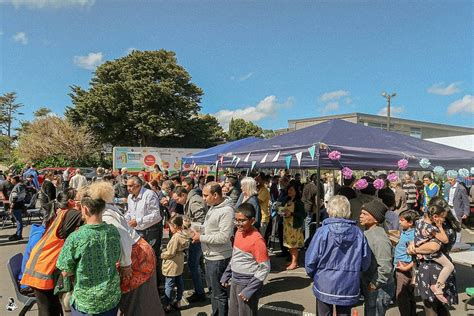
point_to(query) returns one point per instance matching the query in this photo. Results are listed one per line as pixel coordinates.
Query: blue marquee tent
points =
(361, 147)
(210, 155)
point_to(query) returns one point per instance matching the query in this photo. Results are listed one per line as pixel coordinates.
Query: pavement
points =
(285, 292)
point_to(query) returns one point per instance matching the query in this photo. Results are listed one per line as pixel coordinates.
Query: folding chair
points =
(14, 267)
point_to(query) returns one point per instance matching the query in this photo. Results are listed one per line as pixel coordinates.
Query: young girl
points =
(173, 262)
(430, 230)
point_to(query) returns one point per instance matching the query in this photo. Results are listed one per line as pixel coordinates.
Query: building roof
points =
(359, 115)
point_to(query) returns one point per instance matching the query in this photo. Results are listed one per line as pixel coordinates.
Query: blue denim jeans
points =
(377, 302)
(170, 283)
(19, 222)
(112, 312)
(220, 295)
(194, 265)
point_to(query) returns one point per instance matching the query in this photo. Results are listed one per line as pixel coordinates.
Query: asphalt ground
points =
(284, 293)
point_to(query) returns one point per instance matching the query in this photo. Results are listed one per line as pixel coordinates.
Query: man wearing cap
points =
(377, 282)
(458, 199)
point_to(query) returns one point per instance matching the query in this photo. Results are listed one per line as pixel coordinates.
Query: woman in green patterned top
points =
(90, 255)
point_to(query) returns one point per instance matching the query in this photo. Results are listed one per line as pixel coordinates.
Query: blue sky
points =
(265, 61)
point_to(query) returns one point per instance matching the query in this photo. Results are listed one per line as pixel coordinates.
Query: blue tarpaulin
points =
(210, 155)
(361, 147)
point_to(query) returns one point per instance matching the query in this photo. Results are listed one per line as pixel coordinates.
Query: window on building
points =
(415, 132)
(379, 125)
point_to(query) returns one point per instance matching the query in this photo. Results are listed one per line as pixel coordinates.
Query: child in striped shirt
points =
(249, 265)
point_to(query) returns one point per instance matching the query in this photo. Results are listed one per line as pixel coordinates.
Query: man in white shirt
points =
(458, 200)
(78, 181)
(144, 215)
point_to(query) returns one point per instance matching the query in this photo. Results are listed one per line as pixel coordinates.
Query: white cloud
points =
(394, 111)
(265, 108)
(21, 38)
(333, 95)
(332, 100)
(131, 49)
(40, 4)
(440, 89)
(90, 62)
(242, 77)
(466, 104)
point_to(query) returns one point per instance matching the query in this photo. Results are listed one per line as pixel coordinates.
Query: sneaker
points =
(196, 298)
(14, 238)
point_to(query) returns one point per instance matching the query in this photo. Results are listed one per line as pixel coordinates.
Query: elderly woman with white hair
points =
(249, 194)
(335, 258)
(137, 264)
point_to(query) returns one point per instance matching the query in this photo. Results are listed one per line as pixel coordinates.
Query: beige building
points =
(413, 128)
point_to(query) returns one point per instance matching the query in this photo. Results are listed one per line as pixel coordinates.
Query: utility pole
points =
(389, 98)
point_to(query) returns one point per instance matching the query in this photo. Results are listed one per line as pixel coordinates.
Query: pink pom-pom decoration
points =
(334, 155)
(346, 173)
(402, 164)
(392, 177)
(379, 184)
(361, 184)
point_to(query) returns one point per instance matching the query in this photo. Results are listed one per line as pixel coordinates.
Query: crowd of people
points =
(100, 249)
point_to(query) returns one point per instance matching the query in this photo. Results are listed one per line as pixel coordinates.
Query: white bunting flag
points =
(264, 159)
(233, 159)
(247, 158)
(275, 159)
(298, 158)
(237, 162)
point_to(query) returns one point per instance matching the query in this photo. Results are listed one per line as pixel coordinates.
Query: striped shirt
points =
(250, 263)
(410, 190)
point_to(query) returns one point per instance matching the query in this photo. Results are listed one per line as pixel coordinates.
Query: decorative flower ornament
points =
(379, 184)
(463, 172)
(438, 170)
(361, 184)
(334, 155)
(402, 164)
(425, 163)
(452, 174)
(346, 173)
(392, 177)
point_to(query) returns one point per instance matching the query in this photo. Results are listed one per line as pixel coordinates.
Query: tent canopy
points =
(210, 155)
(361, 147)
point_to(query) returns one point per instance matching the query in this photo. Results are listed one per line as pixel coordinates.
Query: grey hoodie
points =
(218, 229)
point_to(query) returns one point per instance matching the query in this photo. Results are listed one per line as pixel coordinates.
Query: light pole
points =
(388, 97)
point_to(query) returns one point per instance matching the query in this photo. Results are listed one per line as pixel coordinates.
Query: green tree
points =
(239, 128)
(140, 99)
(9, 110)
(43, 111)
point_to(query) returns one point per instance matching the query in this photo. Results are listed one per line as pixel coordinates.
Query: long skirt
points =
(139, 293)
(144, 300)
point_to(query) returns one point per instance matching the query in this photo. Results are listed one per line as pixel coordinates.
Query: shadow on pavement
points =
(285, 284)
(11, 243)
(280, 308)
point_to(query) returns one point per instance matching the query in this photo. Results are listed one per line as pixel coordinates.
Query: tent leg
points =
(318, 197)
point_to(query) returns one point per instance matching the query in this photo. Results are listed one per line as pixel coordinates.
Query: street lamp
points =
(388, 97)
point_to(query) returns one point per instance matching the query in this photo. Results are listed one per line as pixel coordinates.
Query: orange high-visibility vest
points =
(39, 270)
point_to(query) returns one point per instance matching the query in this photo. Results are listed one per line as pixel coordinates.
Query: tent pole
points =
(318, 196)
(318, 187)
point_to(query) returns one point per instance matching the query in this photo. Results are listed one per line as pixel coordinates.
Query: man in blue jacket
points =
(335, 258)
